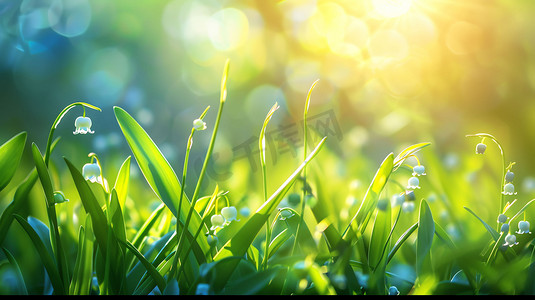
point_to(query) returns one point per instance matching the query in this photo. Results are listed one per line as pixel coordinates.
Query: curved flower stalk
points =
(82, 124)
(480, 149)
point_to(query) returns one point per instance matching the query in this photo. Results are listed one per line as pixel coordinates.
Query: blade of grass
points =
(46, 183)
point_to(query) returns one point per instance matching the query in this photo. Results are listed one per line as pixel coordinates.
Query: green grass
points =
(108, 239)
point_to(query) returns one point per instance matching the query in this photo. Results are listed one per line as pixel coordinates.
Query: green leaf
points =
(426, 231)
(160, 176)
(83, 271)
(10, 155)
(368, 204)
(411, 150)
(91, 206)
(239, 244)
(121, 183)
(21, 194)
(379, 237)
(46, 258)
(401, 240)
(17, 271)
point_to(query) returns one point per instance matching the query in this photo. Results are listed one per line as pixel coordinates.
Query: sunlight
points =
(391, 8)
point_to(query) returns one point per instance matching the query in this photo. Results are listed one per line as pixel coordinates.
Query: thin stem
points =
(222, 100)
(193, 200)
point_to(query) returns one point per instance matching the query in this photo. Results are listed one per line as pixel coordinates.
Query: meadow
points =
(193, 180)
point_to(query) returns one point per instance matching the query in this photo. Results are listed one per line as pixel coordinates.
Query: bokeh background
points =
(392, 73)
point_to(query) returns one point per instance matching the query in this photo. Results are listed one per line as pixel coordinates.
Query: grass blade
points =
(361, 218)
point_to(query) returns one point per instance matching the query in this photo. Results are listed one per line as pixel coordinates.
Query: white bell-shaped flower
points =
(229, 213)
(91, 172)
(217, 221)
(83, 125)
(413, 183)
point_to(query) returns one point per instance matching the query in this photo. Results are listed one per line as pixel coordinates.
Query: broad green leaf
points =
(239, 244)
(91, 206)
(426, 231)
(359, 222)
(10, 155)
(379, 236)
(46, 258)
(160, 175)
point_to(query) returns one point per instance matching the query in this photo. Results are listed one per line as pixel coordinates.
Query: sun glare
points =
(391, 8)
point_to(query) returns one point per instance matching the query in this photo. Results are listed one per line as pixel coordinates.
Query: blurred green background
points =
(391, 73)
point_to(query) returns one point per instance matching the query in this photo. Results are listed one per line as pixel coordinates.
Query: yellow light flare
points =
(391, 8)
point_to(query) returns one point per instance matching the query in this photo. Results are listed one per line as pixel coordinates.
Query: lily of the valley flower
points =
(523, 227)
(217, 221)
(91, 172)
(480, 148)
(229, 213)
(418, 170)
(509, 189)
(510, 240)
(83, 125)
(414, 183)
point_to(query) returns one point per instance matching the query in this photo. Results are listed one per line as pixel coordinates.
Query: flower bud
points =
(509, 176)
(198, 124)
